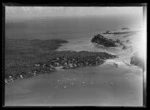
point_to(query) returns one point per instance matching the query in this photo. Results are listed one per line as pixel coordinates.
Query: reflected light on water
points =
(142, 45)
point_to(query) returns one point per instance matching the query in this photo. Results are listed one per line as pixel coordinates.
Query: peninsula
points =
(26, 58)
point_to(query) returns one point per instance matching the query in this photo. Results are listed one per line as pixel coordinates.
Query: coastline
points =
(59, 60)
(49, 67)
(109, 82)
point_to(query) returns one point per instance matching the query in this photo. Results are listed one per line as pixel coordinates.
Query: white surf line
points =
(116, 62)
(123, 64)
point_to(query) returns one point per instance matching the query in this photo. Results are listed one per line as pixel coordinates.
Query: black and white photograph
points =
(75, 56)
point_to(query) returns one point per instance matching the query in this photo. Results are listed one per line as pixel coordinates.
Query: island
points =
(27, 58)
(101, 40)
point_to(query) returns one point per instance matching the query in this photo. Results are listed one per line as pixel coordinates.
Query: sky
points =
(26, 12)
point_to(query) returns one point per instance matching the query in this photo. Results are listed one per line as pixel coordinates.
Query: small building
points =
(34, 74)
(10, 78)
(59, 67)
(6, 81)
(57, 64)
(70, 64)
(74, 65)
(21, 76)
(37, 65)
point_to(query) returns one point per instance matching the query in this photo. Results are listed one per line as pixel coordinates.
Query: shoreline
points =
(71, 60)
(49, 66)
(11, 79)
(114, 62)
(109, 82)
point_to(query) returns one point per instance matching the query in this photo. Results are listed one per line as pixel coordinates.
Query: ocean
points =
(103, 85)
(66, 28)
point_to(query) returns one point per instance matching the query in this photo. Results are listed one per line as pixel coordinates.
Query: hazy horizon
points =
(67, 22)
(20, 13)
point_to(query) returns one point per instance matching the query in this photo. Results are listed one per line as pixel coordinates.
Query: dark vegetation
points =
(25, 58)
(20, 55)
(99, 39)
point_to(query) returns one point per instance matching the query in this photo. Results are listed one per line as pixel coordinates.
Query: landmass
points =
(126, 42)
(101, 40)
(26, 58)
(121, 31)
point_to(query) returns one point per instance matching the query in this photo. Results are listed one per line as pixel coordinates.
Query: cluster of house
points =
(57, 64)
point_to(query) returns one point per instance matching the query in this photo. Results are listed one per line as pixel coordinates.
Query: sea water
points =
(103, 85)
